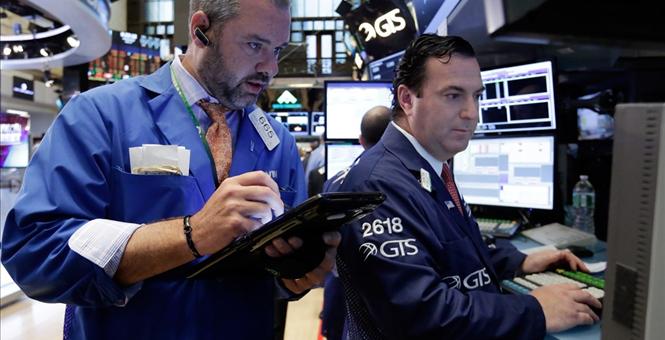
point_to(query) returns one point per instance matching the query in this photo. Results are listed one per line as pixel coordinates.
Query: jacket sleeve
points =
(393, 277)
(507, 260)
(65, 186)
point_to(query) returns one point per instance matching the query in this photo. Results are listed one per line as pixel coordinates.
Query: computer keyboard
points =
(524, 284)
(498, 227)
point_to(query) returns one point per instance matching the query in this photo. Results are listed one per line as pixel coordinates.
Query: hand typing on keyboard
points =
(540, 261)
(566, 306)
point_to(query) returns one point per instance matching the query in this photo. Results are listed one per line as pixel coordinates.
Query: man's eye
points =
(452, 96)
(254, 45)
(277, 51)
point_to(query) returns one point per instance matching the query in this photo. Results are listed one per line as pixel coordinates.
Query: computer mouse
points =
(580, 251)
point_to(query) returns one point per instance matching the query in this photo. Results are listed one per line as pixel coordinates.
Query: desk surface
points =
(599, 254)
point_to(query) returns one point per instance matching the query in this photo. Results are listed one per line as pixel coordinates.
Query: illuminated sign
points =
(287, 101)
(384, 26)
(381, 28)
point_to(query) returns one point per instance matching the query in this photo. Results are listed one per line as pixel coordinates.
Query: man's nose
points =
(268, 65)
(471, 109)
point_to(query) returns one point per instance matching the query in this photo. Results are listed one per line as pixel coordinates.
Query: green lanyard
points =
(196, 124)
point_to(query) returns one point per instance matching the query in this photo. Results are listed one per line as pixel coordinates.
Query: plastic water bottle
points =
(584, 201)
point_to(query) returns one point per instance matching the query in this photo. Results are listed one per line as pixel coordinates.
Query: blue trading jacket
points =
(418, 269)
(81, 172)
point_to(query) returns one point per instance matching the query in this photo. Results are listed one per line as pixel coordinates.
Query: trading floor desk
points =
(599, 254)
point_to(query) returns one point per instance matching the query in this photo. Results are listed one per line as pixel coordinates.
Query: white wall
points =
(118, 20)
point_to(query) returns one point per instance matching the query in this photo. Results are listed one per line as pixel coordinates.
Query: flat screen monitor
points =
(340, 157)
(347, 102)
(518, 98)
(384, 68)
(318, 123)
(296, 122)
(507, 171)
(14, 140)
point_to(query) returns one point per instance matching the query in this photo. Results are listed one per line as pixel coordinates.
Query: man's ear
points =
(405, 98)
(198, 24)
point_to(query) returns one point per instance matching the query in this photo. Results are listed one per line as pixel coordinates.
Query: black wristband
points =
(187, 228)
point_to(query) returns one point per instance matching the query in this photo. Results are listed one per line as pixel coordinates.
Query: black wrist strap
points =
(187, 228)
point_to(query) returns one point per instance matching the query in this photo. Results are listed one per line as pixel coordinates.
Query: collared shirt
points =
(193, 92)
(103, 241)
(436, 164)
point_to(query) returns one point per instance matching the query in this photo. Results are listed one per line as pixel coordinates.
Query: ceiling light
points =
(6, 50)
(45, 52)
(17, 48)
(73, 42)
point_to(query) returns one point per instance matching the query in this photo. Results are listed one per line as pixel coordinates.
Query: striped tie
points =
(450, 185)
(219, 138)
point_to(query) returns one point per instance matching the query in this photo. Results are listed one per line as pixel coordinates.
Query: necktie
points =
(450, 185)
(219, 138)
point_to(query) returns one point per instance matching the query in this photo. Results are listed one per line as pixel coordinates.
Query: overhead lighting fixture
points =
(45, 52)
(73, 42)
(7, 50)
(301, 85)
(17, 48)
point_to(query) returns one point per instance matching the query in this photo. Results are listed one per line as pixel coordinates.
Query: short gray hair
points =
(221, 11)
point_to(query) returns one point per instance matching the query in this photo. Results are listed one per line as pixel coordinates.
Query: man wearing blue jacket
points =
(89, 232)
(416, 267)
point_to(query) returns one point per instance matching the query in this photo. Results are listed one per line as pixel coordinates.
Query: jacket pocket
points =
(148, 198)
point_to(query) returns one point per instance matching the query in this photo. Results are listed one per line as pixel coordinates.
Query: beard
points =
(224, 84)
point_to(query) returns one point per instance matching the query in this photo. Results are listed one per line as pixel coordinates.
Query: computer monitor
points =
(340, 156)
(14, 140)
(507, 172)
(318, 123)
(347, 102)
(296, 122)
(633, 307)
(518, 98)
(384, 68)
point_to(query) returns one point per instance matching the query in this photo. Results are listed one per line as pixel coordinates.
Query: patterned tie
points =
(450, 185)
(219, 138)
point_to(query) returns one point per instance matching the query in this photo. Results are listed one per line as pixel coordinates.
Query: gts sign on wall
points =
(383, 26)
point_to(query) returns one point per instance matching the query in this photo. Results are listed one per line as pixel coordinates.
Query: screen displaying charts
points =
(517, 98)
(318, 125)
(296, 122)
(507, 171)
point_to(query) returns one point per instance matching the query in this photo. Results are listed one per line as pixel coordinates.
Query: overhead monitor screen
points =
(318, 125)
(347, 102)
(509, 172)
(340, 157)
(14, 140)
(517, 98)
(384, 68)
(296, 122)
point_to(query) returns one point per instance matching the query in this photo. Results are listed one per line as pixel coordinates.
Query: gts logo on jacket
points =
(472, 281)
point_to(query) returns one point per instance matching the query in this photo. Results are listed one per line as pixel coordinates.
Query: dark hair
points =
(374, 123)
(411, 68)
